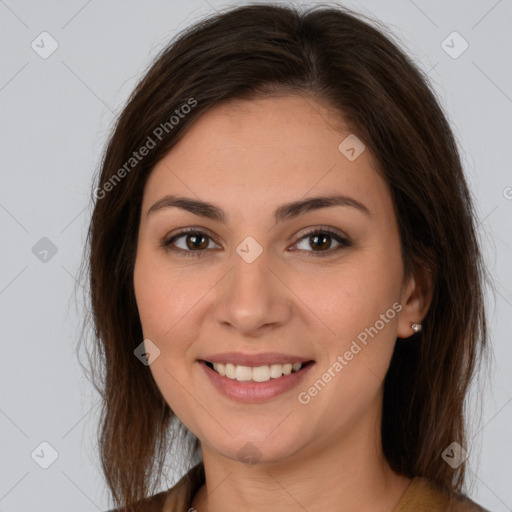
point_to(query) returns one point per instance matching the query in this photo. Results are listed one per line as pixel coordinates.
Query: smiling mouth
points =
(262, 373)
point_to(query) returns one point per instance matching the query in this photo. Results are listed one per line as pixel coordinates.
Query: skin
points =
(249, 157)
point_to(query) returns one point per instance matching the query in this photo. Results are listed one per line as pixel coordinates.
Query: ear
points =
(415, 300)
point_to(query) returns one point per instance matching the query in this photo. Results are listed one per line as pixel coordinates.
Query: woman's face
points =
(252, 283)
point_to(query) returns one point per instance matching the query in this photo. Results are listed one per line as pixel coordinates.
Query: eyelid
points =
(167, 240)
(323, 229)
(343, 240)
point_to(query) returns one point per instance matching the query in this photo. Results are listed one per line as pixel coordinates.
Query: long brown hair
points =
(336, 57)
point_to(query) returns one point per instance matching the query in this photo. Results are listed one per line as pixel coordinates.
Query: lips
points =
(255, 377)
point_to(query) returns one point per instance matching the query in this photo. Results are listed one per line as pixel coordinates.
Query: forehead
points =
(249, 154)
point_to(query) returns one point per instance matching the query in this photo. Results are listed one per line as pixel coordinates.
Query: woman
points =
(285, 275)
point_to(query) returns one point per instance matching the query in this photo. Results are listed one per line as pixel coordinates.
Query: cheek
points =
(357, 305)
(352, 296)
(165, 296)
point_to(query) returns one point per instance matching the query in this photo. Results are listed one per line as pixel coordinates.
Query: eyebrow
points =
(285, 212)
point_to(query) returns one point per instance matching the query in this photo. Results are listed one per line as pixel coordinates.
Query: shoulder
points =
(175, 499)
(154, 503)
(424, 495)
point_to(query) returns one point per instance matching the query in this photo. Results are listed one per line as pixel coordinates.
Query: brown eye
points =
(189, 243)
(196, 241)
(319, 242)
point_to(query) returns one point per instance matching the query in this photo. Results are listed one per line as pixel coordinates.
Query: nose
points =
(252, 300)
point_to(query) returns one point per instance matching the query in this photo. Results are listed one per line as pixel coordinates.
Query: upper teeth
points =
(256, 373)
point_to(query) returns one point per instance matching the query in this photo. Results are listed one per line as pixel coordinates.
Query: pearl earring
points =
(416, 327)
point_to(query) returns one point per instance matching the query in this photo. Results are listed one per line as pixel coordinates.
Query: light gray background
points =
(55, 116)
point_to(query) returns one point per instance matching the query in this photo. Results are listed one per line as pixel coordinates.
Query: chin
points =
(256, 449)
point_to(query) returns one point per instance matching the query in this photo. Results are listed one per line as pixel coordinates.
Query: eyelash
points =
(343, 241)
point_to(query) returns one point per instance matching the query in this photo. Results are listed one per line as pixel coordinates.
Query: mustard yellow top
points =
(422, 495)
